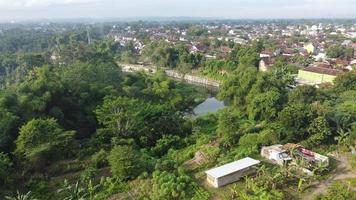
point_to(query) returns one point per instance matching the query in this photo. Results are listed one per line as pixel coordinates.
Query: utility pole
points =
(88, 36)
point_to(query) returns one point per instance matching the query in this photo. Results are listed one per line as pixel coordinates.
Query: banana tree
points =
(27, 196)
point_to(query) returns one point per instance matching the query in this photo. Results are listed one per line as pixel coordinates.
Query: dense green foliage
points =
(123, 162)
(77, 127)
(39, 140)
(337, 51)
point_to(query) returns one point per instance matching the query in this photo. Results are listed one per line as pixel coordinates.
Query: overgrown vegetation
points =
(76, 127)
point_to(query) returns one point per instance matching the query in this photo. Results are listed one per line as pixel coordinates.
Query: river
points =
(210, 105)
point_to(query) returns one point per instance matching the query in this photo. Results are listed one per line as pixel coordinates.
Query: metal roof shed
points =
(231, 172)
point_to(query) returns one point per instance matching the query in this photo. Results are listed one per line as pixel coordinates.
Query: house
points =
(289, 154)
(312, 159)
(276, 154)
(339, 62)
(288, 52)
(310, 48)
(353, 62)
(320, 57)
(240, 41)
(265, 64)
(266, 54)
(231, 172)
(346, 43)
(314, 75)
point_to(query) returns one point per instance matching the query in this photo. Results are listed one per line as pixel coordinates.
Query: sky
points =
(230, 9)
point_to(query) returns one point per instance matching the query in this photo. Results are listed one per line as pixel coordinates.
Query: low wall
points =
(189, 78)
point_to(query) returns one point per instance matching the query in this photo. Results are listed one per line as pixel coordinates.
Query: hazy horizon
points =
(216, 9)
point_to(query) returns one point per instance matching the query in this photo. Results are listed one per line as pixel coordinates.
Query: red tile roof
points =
(322, 70)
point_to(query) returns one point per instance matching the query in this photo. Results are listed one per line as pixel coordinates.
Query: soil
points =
(343, 171)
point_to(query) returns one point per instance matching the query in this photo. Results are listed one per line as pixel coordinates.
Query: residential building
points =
(231, 172)
(314, 75)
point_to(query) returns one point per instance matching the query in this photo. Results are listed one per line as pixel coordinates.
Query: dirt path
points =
(342, 171)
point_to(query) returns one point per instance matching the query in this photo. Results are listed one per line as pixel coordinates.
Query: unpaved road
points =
(342, 171)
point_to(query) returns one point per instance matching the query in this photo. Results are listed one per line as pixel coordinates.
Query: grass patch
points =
(353, 161)
(352, 181)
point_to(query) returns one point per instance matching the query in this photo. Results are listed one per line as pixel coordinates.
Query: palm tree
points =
(27, 196)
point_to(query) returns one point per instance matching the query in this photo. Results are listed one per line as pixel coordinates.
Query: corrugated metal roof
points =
(232, 167)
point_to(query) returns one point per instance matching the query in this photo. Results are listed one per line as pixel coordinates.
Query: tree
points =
(265, 106)
(5, 166)
(124, 162)
(43, 139)
(85, 85)
(162, 54)
(345, 82)
(165, 143)
(349, 53)
(276, 80)
(196, 31)
(231, 126)
(8, 124)
(160, 120)
(343, 112)
(237, 85)
(335, 51)
(39, 90)
(304, 94)
(319, 132)
(296, 119)
(304, 61)
(120, 116)
(124, 117)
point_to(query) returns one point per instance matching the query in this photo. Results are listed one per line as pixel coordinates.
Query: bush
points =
(166, 143)
(99, 159)
(124, 161)
(41, 140)
(249, 140)
(88, 174)
(173, 186)
(5, 166)
(239, 153)
(265, 137)
(338, 190)
(353, 161)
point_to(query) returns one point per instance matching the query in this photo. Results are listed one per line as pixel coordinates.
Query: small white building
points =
(276, 154)
(231, 172)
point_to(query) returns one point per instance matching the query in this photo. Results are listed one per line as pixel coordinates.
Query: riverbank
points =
(189, 78)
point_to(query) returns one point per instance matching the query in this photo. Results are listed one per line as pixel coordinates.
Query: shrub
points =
(338, 190)
(99, 159)
(166, 143)
(5, 166)
(173, 186)
(124, 161)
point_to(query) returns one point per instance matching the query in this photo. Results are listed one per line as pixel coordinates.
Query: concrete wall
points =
(171, 73)
(234, 176)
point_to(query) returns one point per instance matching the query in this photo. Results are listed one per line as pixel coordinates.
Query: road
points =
(342, 172)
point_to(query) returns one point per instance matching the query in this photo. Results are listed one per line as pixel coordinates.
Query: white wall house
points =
(231, 172)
